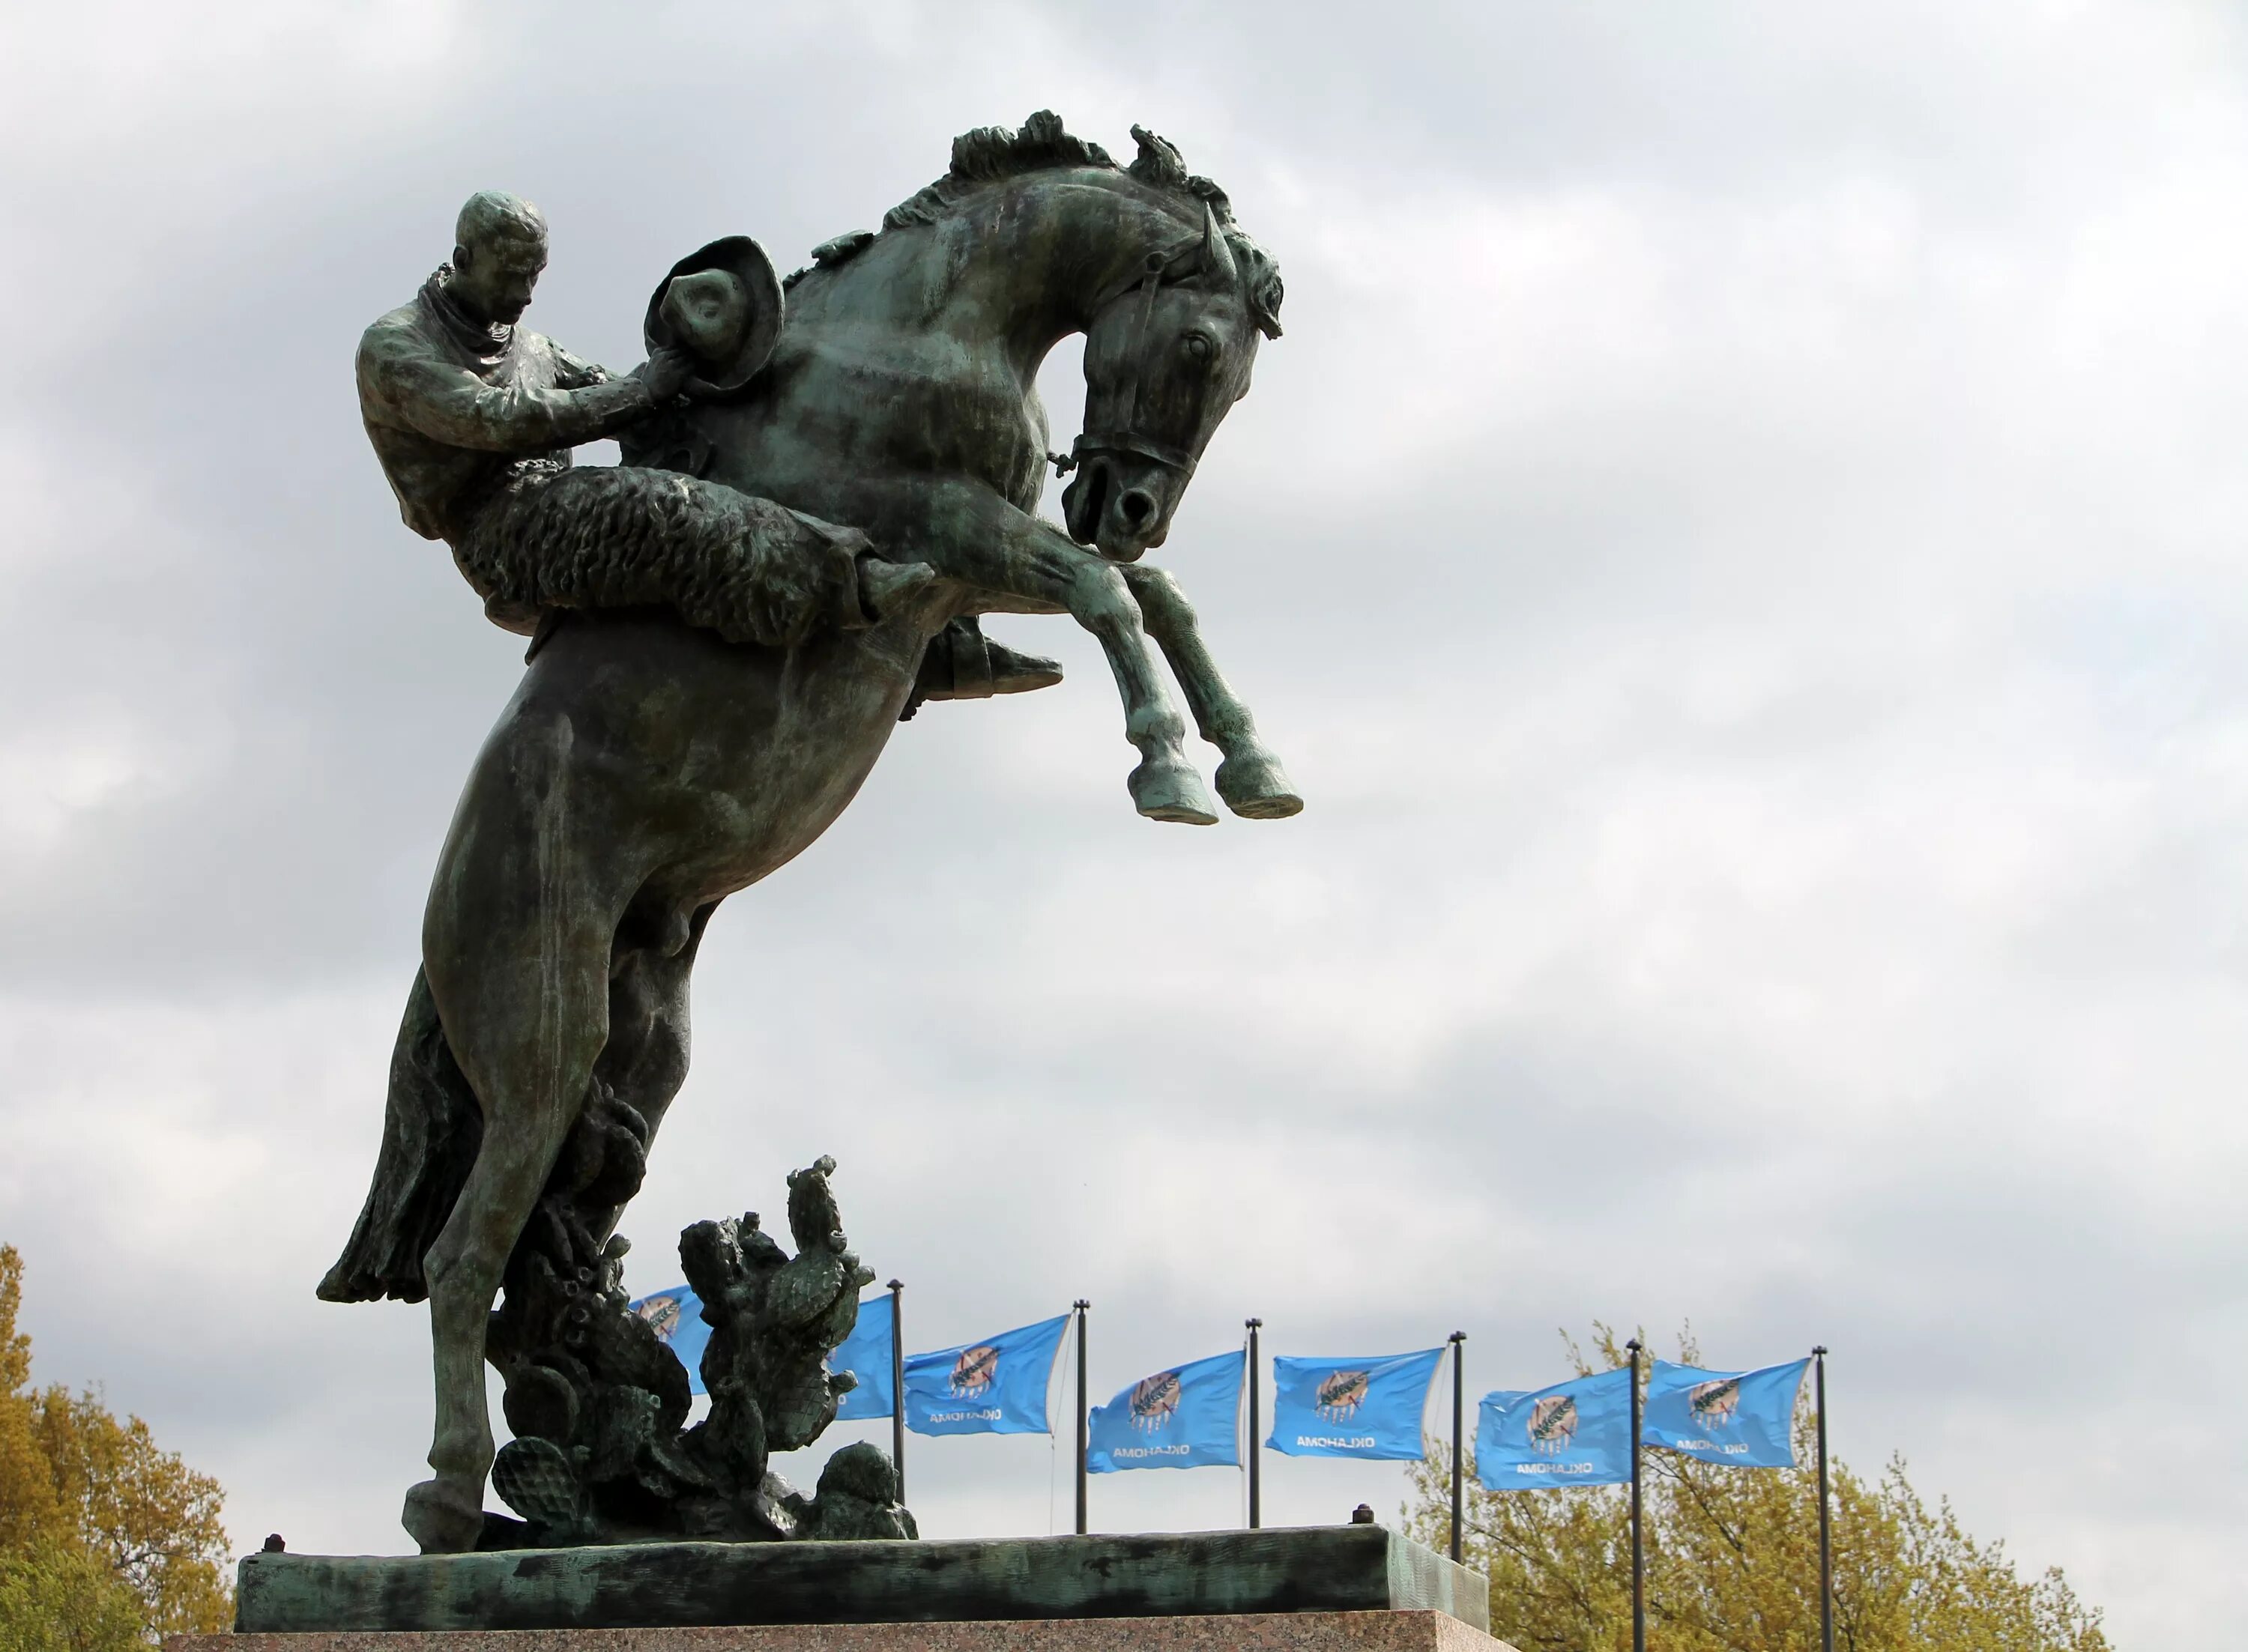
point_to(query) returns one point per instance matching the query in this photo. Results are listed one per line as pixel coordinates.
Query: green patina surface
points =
(826, 485)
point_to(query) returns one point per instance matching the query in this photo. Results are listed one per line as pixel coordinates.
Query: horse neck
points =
(1048, 250)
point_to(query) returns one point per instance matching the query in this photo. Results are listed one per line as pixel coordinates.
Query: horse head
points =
(1165, 360)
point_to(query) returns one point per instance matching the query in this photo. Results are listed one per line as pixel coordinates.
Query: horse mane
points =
(992, 154)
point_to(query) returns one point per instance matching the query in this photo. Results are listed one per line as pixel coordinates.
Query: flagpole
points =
(898, 1383)
(1826, 1529)
(1459, 1405)
(1256, 1450)
(1638, 1558)
(1082, 1305)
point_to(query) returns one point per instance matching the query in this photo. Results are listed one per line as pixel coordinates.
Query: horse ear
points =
(1217, 255)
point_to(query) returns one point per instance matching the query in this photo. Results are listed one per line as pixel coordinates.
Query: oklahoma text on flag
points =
(1352, 1408)
(1575, 1433)
(1739, 1419)
(1182, 1418)
(866, 1354)
(997, 1386)
(676, 1315)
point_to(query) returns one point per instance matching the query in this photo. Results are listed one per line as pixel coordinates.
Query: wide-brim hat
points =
(746, 260)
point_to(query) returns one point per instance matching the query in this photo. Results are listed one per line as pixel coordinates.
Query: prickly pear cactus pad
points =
(599, 1404)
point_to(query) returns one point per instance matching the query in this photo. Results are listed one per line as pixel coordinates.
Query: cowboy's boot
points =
(962, 663)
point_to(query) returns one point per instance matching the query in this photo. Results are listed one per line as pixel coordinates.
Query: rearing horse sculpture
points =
(644, 769)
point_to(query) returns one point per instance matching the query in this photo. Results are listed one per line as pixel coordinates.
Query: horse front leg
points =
(970, 535)
(1251, 778)
(1164, 786)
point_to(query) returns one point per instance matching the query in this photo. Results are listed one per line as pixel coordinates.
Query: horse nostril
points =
(1137, 506)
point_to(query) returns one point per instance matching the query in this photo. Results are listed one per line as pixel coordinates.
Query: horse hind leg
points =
(519, 969)
(644, 1062)
(531, 1071)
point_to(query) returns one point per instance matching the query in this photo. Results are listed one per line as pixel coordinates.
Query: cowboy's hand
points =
(666, 373)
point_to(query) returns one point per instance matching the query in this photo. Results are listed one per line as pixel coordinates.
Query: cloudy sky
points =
(1740, 547)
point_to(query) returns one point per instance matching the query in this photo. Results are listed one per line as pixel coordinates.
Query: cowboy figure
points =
(473, 416)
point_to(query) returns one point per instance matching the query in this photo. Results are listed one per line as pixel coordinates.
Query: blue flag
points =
(1352, 1408)
(1576, 1433)
(677, 1316)
(1182, 1418)
(997, 1386)
(1739, 1419)
(866, 1354)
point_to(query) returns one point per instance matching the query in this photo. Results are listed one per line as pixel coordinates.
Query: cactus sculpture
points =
(598, 1404)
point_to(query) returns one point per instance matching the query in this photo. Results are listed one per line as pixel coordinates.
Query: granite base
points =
(1175, 1575)
(1252, 1632)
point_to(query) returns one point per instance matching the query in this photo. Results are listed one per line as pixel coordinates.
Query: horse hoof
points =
(441, 1520)
(1170, 789)
(1256, 787)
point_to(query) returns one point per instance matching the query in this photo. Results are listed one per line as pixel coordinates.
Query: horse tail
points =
(431, 1129)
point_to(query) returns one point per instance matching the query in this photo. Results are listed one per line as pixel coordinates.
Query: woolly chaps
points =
(615, 537)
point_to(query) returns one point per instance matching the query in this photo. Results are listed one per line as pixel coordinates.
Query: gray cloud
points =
(1738, 545)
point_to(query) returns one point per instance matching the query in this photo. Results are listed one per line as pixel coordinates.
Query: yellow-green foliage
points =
(1732, 1560)
(99, 1528)
(59, 1598)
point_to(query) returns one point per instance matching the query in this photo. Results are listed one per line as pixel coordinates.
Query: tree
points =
(1732, 1558)
(98, 1525)
(58, 1598)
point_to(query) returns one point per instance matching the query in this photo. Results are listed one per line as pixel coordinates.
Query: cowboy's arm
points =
(575, 373)
(416, 387)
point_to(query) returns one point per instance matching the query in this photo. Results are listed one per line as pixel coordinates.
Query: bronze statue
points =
(660, 756)
(473, 416)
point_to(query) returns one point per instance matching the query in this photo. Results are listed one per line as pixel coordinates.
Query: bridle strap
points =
(1139, 447)
(1149, 287)
(1126, 440)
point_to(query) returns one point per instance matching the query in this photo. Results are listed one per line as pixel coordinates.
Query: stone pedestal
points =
(1340, 1572)
(1240, 1632)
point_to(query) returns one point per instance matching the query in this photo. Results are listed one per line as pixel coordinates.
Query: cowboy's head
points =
(499, 248)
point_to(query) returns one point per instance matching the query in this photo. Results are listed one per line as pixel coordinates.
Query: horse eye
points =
(1199, 346)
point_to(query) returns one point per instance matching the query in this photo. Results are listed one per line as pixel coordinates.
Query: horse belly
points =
(704, 766)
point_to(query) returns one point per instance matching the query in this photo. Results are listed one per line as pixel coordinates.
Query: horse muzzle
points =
(1120, 504)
